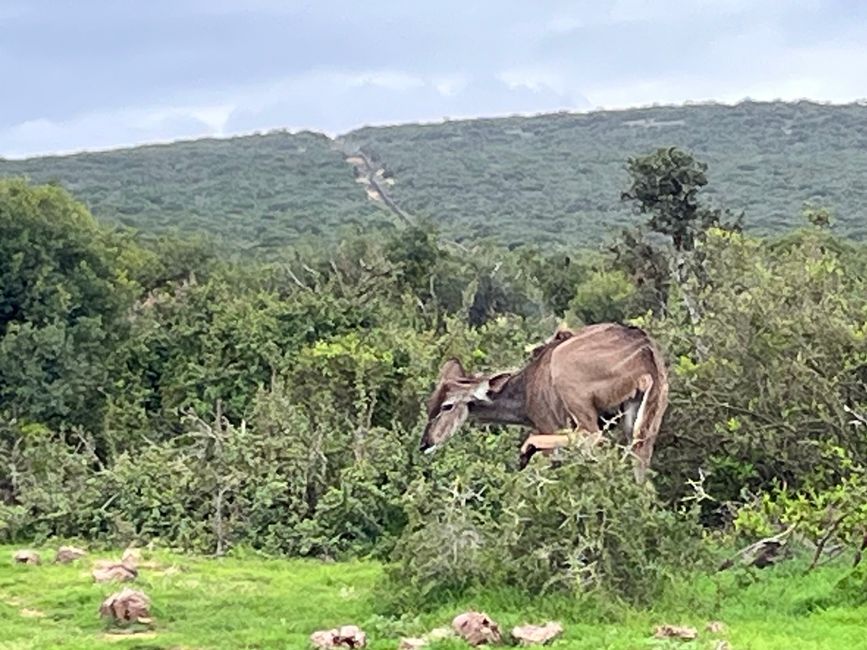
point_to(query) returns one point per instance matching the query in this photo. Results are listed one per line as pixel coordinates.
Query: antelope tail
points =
(655, 406)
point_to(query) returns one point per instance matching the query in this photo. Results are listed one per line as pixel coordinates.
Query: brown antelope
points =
(573, 382)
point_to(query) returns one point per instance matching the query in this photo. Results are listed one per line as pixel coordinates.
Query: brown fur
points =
(570, 381)
(558, 337)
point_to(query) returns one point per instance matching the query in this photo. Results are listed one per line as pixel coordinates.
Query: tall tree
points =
(61, 296)
(665, 185)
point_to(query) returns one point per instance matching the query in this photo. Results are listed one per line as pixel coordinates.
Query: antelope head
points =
(450, 403)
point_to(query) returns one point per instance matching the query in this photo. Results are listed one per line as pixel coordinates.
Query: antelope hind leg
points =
(641, 448)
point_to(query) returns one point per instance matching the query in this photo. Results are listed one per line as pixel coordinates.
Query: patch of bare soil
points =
(120, 635)
(12, 601)
(31, 613)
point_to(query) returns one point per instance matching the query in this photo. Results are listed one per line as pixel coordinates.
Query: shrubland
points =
(154, 391)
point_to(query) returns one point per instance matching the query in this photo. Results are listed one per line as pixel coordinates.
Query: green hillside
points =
(547, 179)
(559, 177)
(255, 190)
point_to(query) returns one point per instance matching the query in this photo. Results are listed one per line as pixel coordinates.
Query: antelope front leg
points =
(546, 443)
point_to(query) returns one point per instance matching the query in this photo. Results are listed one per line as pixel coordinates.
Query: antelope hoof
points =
(526, 454)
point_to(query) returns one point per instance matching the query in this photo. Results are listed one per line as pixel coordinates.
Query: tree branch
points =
(859, 417)
(827, 536)
(756, 547)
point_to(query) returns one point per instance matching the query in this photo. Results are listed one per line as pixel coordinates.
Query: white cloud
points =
(641, 93)
(392, 80)
(563, 23)
(661, 15)
(250, 71)
(111, 129)
(214, 117)
(759, 63)
(541, 79)
(332, 95)
(624, 11)
(535, 78)
(450, 85)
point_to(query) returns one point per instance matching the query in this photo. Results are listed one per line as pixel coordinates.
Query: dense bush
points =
(281, 484)
(582, 525)
(786, 335)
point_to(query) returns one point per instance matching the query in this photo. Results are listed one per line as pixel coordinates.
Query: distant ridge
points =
(552, 180)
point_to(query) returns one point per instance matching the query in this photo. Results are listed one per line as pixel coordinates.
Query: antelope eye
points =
(447, 407)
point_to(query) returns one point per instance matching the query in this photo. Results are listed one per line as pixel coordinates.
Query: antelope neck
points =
(506, 406)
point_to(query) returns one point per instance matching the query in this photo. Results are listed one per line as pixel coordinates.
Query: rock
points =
(26, 556)
(114, 572)
(127, 606)
(715, 627)
(476, 628)
(322, 639)
(537, 634)
(675, 632)
(67, 554)
(413, 643)
(347, 636)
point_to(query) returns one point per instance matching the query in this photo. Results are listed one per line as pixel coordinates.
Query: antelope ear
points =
(490, 386)
(452, 369)
(498, 381)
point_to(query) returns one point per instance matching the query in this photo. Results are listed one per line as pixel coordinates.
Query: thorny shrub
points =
(578, 526)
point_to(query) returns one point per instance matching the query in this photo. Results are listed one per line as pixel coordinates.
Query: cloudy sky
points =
(98, 74)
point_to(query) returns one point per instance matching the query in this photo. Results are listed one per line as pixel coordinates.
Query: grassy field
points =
(255, 602)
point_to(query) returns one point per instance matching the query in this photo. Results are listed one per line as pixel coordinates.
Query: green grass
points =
(255, 602)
